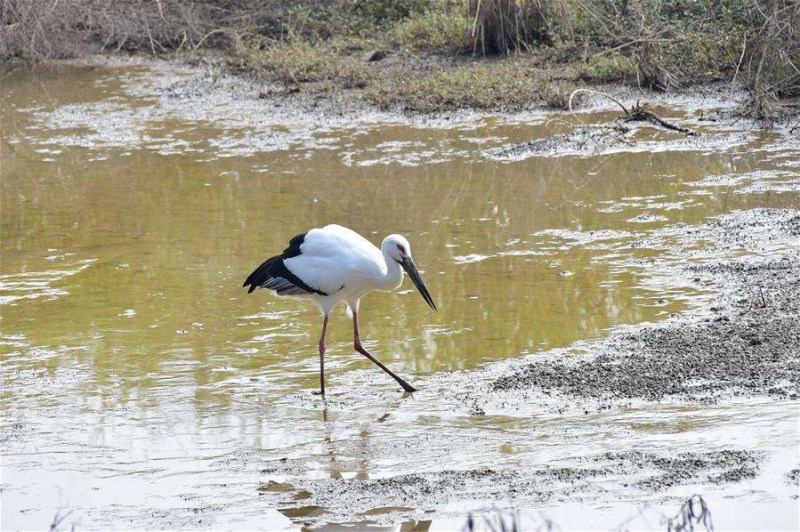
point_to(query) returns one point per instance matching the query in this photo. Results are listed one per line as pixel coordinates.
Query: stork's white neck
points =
(393, 276)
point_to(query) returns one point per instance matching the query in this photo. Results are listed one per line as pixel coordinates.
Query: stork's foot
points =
(319, 392)
(407, 387)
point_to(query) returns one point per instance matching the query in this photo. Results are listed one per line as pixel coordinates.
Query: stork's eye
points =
(402, 249)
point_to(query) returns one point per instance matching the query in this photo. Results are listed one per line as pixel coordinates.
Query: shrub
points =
(39, 29)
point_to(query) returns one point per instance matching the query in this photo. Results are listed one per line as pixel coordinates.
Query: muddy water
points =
(143, 388)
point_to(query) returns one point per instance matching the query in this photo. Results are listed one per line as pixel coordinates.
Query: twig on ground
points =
(58, 519)
(693, 512)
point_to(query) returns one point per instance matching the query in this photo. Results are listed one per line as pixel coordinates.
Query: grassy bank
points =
(433, 55)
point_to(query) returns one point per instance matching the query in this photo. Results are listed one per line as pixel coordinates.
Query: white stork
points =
(335, 264)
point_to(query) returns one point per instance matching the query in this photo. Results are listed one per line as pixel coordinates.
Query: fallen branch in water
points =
(637, 113)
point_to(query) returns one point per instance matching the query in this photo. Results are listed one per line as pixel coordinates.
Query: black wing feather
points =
(274, 274)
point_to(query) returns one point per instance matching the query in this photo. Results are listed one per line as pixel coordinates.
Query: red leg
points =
(358, 347)
(322, 349)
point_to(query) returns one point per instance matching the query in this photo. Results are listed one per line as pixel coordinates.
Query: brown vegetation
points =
(53, 29)
(551, 46)
(770, 62)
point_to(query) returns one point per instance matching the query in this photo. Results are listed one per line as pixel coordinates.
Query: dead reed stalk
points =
(503, 26)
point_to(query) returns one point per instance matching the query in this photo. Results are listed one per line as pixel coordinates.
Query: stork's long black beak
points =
(408, 265)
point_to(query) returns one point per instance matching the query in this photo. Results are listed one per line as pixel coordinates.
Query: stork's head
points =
(397, 248)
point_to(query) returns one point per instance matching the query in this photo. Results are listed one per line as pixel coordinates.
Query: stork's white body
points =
(343, 264)
(335, 265)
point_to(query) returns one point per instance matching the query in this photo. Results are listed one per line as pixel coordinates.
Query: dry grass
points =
(299, 62)
(556, 94)
(503, 26)
(475, 87)
(606, 68)
(503, 85)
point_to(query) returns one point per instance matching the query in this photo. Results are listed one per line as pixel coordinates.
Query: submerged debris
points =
(580, 139)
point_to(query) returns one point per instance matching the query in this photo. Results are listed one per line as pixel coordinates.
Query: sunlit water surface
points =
(143, 387)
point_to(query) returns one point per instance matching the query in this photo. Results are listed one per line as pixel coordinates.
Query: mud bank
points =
(529, 486)
(211, 80)
(749, 344)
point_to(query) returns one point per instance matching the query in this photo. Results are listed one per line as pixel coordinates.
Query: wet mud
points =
(749, 344)
(637, 471)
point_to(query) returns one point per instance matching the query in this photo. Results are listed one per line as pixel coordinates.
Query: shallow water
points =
(142, 387)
